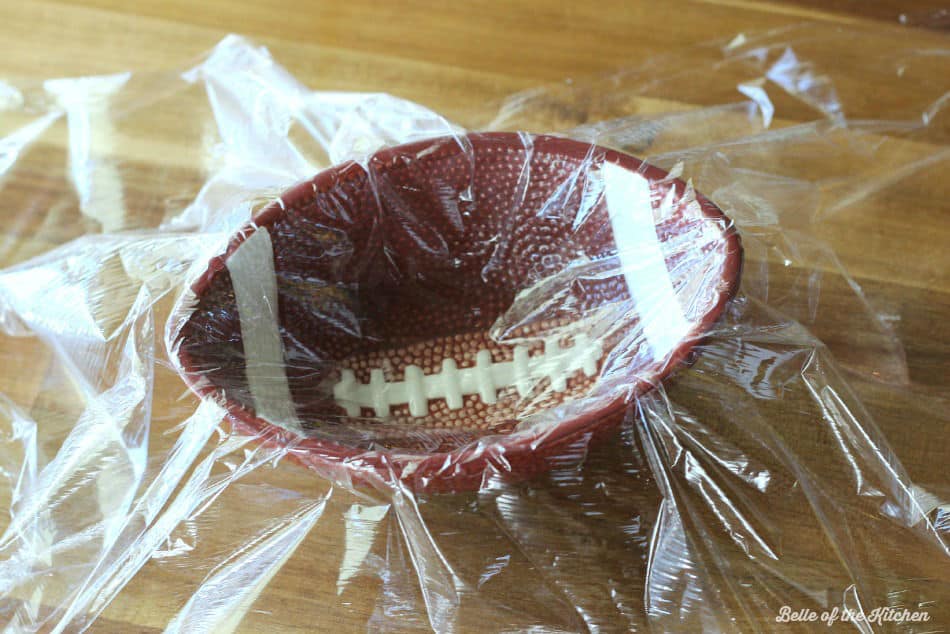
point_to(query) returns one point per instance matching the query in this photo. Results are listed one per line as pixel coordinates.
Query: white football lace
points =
(556, 363)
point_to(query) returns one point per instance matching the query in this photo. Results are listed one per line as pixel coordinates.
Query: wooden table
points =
(459, 59)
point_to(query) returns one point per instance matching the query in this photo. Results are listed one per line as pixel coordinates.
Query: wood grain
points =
(548, 552)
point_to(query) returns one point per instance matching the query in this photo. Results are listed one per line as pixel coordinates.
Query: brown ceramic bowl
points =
(457, 307)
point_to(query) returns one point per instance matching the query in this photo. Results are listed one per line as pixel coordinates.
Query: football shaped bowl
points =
(456, 308)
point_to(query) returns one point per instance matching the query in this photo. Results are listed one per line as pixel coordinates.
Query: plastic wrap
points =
(281, 358)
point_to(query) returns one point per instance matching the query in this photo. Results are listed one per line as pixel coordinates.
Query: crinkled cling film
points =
(283, 358)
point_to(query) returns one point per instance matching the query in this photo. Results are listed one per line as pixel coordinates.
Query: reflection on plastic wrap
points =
(281, 357)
